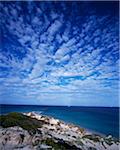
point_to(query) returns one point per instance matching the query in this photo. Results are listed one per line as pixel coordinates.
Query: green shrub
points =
(59, 145)
(52, 143)
(92, 137)
(18, 119)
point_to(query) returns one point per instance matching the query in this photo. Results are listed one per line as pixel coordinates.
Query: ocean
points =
(104, 120)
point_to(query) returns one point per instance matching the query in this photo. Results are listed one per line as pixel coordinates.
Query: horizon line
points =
(60, 105)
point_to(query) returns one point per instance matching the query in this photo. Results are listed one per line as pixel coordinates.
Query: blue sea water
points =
(104, 120)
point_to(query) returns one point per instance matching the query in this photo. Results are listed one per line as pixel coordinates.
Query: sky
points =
(59, 53)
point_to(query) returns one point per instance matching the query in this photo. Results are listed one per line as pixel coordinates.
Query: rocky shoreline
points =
(31, 131)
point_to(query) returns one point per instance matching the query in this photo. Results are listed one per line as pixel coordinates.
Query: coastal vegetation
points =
(23, 121)
(93, 137)
(35, 131)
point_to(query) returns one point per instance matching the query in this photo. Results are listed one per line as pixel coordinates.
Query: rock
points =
(44, 147)
(51, 134)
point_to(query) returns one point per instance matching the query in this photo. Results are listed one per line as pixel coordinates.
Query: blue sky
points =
(59, 53)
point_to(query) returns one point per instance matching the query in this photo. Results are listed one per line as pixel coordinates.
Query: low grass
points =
(92, 137)
(23, 121)
(59, 145)
(51, 142)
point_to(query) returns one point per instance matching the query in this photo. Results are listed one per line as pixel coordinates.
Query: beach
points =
(50, 133)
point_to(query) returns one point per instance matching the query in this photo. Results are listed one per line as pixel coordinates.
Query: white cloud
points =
(58, 56)
(54, 27)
